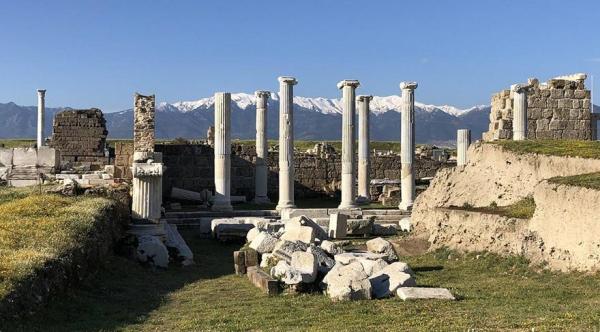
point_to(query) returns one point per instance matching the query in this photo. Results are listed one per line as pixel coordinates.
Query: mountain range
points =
(314, 119)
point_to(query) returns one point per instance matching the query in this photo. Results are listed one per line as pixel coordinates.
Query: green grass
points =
(523, 209)
(589, 180)
(563, 148)
(36, 228)
(494, 294)
(17, 143)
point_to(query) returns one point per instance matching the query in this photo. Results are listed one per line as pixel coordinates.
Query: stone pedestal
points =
(262, 148)
(407, 145)
(348, 137)
(222, 199)
(364, 196)
(40, 117)
(286, 142)
(147, 190)
(519, 111)
(463, 140)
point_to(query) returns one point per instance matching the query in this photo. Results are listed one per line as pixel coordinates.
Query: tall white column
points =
(262, 148)
(348, 88)
(364, 181)
(286, 142)
(463, 140)
(407, 145)
(40, 117)
(222, 199)
(519, 111)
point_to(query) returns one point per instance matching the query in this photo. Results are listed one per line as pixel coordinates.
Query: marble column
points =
(519, 111)
(364, 181)
(348, 88)
(222, 199)
(286, 142)
(40, 117)
(407, 145)
(262, 148)
(463, 140)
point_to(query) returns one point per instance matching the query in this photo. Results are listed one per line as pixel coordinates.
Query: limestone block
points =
(324, 262)
(252, 233)
(356, 256)
(384, 229)
(24, 156)
(381, 246)
(304, 234)
(251, 257)
(385, 282)
(331, 248)
(338, 224)
(266, 260)
(264, 243)
(6, 157)
(48, 157)
(373, 266)
(360, 226)
(348, 282)
(306, 264)
(262, 280)
(174, 240)
(3, 173)
(284, 272)
(414, 293)
(303, 221)
(151, 250)
(284, 249)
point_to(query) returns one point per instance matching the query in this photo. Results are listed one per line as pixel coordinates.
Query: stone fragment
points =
(251, 258)
(306, 264)
(263, 281)
(266, 260)
(387, 281)
(239, 262)
(284, 272)
(373, 266)
(338, 224)
(381, 246)
(405, 225)
(264, 243)
(252, 234)
(384, 229)
(319, 233)
(331, 248)
(324, 262)
(174, 240)
(284, 249)
(360, 226)
(151, 250)
(348, 282)
(413, 293)
(299, 233)
(351, 257)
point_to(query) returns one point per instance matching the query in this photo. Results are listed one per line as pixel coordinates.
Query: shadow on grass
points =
(428, 268)
(124, 293)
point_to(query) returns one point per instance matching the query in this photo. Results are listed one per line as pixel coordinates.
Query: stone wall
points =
(557, 109)
(80, 137)
(191, 167)
(143, 124)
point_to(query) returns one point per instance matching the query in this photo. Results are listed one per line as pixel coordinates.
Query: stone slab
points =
(415, 293)
(262, 280)
(6, 157)
(24, 156)
(48, 157)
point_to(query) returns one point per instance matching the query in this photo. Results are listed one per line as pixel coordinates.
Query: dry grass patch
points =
(589, 180)
(522, 209)
(562, 148)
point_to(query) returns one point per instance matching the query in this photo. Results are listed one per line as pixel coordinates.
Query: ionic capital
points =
(408, 85)
(352, 83)
(262, 93)
(41, 92)
(363, 98)
(287, 80)
(520, 87)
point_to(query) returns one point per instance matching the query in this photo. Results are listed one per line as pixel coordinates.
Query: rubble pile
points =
(300, 257)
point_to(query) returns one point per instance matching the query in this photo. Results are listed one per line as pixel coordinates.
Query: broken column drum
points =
(407, 145)
(262, 148)
(463, 140)
(286, 142)
(348, 88)
(519, 111)
(222, 199)
(40, 117)
(363, 150)
(147, 167)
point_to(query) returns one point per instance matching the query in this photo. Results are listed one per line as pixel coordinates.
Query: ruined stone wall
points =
(191, 167)
(558, 109)
(80, 137)
(143, 124)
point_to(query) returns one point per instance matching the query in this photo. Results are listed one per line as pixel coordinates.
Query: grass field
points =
(494, 294)
(563, 148)
(589, 180)
(523, 209)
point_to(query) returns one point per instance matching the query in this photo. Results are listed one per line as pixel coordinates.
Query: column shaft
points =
(286, 142)
(348, 138)
(222, 199)
(407, 146)
(364, 180)
(262, 149)
(519, 112)
(41, 117)
(463, 140)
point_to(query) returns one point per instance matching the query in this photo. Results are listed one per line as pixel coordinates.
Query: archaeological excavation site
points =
(299, 166)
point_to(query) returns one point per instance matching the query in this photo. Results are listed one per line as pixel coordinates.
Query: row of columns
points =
(350, 198)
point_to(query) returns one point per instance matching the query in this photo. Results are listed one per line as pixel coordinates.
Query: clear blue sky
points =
(98, 53)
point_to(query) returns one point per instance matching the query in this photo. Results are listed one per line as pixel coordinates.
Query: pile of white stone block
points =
(301, 256)
(21, 167)
(96, 178)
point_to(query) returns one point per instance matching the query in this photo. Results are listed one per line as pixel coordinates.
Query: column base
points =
(226, 207)
(286, 205)
(261, 200)
(361, 200)
(405, 206)
(347, 206)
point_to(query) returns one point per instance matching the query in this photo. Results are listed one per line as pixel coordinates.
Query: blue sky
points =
(98, 53)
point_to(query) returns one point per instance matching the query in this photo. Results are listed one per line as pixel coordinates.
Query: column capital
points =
(288, 80)
(408, 85)
(41, 91)
(363, 98)
(520, 87)
(352, 83)
(262, 93)
(222, 93)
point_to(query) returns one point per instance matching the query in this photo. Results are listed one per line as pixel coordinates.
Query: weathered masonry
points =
(557, 109)
(80, 137)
